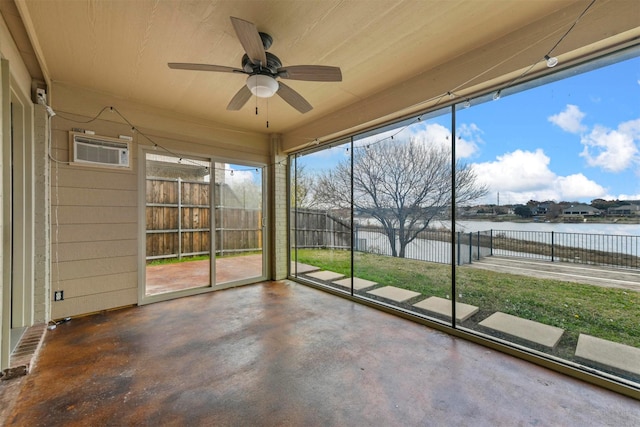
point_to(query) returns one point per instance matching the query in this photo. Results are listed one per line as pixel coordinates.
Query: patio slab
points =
(442, 306)
(535, 332)
(358, 283)
(326, 275)
(394, 294)
(301, 268)
(608, 353)
(174, 277)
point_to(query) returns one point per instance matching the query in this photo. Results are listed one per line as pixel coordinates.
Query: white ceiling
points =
(121, 48)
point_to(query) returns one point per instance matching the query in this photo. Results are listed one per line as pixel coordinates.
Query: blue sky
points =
(576, 139)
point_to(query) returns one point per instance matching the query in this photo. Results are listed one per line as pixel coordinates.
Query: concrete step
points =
(394, 294)
(528, 330)
(326, 275)
(358, 283)
(442, 306)
(609, 354)
(300, 268)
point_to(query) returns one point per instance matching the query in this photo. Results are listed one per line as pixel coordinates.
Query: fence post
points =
(478, 245)
(552, 251)
(355, 237)
(491, 242)
(179, 218)
(470, 246)
(459, 249)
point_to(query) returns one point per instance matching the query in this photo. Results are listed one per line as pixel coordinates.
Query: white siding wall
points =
(94, 211)
(93, 229)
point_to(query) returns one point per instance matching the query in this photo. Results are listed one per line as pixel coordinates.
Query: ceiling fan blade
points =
(250, 39)
(313, 73)
(239, 99)
(293, 98)
(204, 67)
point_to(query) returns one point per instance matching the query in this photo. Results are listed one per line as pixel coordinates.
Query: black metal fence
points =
(318, 229)
(433, 245)
(596, 249)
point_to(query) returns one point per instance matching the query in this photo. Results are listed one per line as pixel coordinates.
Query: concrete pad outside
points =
(301, 268)
(394, 294)
(358, 283)
(326, 275)
(609, 353)
(443, 306)
(529, 330)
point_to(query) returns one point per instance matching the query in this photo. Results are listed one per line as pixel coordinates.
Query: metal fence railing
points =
(596, 249)
(622, 251)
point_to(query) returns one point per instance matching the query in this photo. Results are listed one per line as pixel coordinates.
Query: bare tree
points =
(403, 185)
(302, 195)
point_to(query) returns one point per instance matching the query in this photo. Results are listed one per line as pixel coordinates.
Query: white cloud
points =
(577, 186)
(468, 141)
(521, 176)
(569, 120)
(625, 197)
(612, 150)
(466, 144)
(516, 171)
(432, 133)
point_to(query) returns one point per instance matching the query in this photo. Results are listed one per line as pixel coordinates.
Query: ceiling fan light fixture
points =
(262, 86)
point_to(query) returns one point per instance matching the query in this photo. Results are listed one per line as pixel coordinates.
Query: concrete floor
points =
(194, 274)
(280, 353)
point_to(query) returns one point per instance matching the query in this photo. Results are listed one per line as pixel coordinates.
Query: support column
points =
(278, 191)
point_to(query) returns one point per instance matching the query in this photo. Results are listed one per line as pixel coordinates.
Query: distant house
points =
(581, 210)
(625, 210)
(541, 209)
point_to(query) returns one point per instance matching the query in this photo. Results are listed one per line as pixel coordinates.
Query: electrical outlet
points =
(58, 295)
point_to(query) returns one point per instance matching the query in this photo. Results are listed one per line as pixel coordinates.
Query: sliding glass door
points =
(239, 223)
(203, 225)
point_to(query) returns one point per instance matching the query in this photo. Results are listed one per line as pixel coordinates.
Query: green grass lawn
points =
(608, 313)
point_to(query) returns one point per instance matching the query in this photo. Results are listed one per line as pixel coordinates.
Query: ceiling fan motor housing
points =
(271, 67)
(267, 40)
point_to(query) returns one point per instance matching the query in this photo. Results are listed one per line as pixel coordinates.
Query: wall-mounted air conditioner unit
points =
(92, 150)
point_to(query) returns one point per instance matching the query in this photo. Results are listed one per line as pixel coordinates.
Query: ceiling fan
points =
(263, 68)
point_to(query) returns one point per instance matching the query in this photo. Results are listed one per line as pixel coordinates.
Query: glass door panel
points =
(321, 216)
(239, 223)
(177, 218)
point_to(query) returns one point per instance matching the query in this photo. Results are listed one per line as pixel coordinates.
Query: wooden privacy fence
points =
(178, 221)
(319, 229)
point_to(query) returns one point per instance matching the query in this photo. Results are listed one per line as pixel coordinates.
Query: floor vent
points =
(24, 354)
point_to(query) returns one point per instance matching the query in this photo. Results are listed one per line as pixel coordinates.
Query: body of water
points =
(582, 228)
